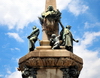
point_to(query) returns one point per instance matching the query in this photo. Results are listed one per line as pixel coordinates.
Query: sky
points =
(17, 17)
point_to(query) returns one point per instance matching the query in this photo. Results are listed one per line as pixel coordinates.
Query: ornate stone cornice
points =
(50, 59)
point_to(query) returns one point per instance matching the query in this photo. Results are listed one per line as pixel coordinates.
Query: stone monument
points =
(51, 59)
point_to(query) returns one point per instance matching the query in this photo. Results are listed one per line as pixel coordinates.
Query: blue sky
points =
(17, 17)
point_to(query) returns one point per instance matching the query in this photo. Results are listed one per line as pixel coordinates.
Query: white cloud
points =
(18, 13)
(89, 38)
(77, 7)
(1, 76)
(15, 49)
(61, 5)
(92, 25)
(91, 66)
(15, 36)
(74, 6)
(15, 74)
(8, 71)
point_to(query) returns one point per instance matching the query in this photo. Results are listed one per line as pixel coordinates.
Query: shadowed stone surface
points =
(50, 73)
(50, 62)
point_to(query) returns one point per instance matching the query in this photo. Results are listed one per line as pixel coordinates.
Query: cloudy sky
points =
(17, 17)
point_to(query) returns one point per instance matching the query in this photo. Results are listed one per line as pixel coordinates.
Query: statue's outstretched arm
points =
(75, 40)
(61, 24)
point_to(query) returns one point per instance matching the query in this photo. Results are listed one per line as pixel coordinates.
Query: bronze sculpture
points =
(51, 59)
(54, 41)
(33, 38)
(67, 37)
(49, 20)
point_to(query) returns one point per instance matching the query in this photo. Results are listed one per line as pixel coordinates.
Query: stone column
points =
(50, 22)
(50, 2)
(50, 63)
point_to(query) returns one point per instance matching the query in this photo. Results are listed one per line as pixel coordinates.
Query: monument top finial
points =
(50, 2)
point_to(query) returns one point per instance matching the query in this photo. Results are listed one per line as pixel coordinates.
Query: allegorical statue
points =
(67, 37)
(33, 38)
(29, 72)
(49, 21)
(51, 13)
(54, 41)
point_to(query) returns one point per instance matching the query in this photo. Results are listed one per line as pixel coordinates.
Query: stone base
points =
(44, 43)
(50, 58)
(47, 47)
(48, 63)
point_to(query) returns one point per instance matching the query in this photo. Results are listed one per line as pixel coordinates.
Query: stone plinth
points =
(50, 63)
(44, 43)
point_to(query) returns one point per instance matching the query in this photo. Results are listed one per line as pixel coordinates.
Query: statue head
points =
(50, 8)
(68, 26)
(53, 35)
(34, 27)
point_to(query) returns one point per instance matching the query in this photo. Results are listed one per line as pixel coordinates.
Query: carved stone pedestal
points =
(58, 63)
